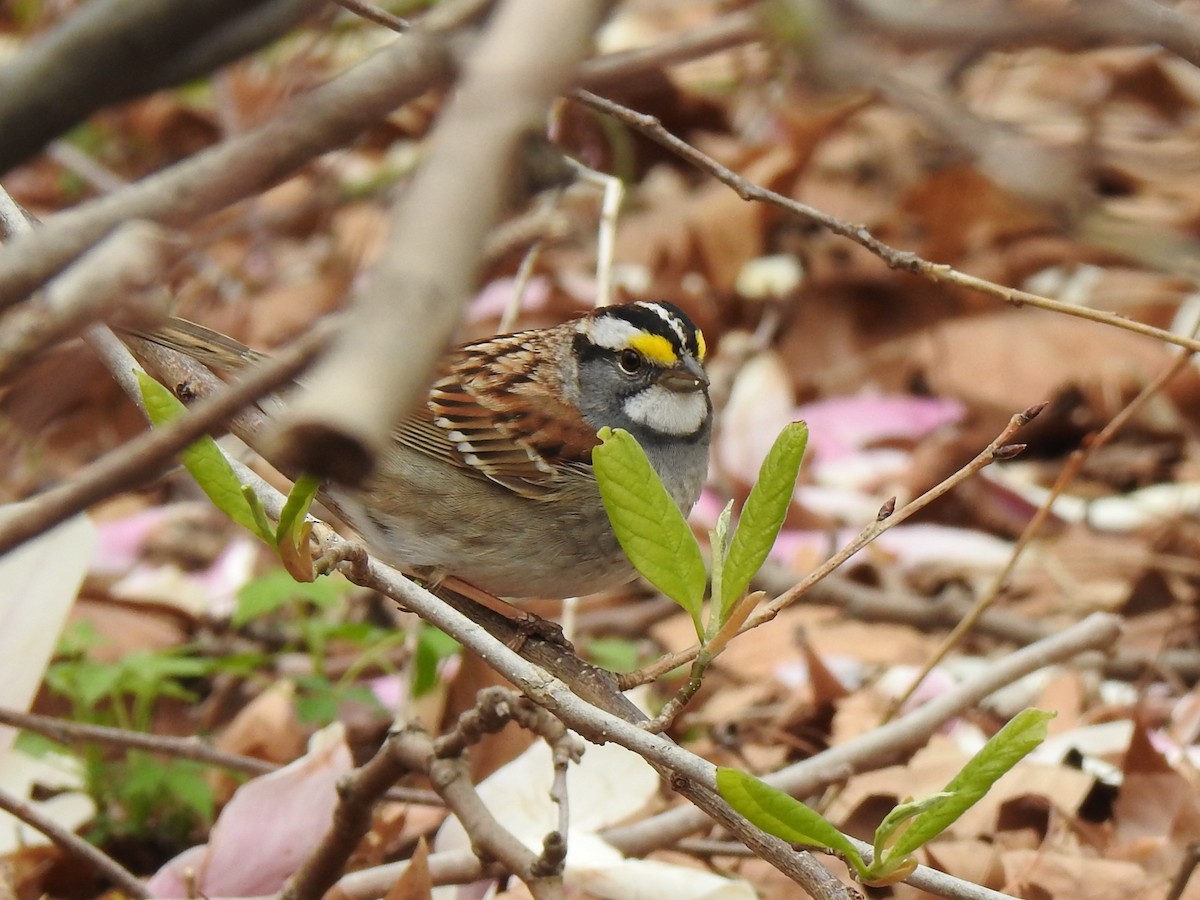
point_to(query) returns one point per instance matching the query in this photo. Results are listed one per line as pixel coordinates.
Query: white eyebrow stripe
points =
(613, 333)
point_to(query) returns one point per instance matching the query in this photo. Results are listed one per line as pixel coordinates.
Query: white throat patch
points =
(668, 412)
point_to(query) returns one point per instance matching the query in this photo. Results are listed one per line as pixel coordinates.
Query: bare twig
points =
(144, 456)
(1002, 24)
(1184, 874)
(325, 119)
(1074, 465)
(999, 448)
(451, 778)
(888, 743)
(121, 877)
(902, 260)
(380, 362)
(893, 605)
(66, 732)
(731, 30)
(118, 272)
(110, 50)
(358, 793)
(888, 518)
(373, 13)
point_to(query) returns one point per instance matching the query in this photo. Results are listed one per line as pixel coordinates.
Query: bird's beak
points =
(687, 378)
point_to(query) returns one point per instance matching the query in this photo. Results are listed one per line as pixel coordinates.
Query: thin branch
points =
(870, 604)
(888, 743)
(998, 448)
(1184, 873)
(373, 13)
(193, 749)
(111, 50)
(325, 119)
(358, 793)
(401, 324)
(902, 260)
(123, 272)
(451, 867)
(732, 30)
(146, 455)
(74, 845)
(1008, 26)
(1033, 527)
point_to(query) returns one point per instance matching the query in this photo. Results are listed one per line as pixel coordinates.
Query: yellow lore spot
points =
(655, 348)
(700, 346)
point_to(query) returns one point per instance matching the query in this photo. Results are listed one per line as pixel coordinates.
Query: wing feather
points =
(496, 412)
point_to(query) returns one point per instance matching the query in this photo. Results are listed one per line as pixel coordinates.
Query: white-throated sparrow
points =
(491, 479)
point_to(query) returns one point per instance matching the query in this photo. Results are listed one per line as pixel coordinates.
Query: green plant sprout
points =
(138, 794)
(660, 544)
(208, 466)
(906, 828)
(290, 540)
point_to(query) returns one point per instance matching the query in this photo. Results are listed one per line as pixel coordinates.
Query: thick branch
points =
(329, 117)
(111, 50)
(402, 323)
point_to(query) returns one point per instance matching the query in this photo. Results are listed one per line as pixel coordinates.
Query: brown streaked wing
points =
(494, 413)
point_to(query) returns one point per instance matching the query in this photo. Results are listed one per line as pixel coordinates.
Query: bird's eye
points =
(630, 362)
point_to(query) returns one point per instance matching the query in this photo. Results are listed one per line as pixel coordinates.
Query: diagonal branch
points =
(402, 323)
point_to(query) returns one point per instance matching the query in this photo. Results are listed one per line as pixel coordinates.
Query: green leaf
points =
(763, 514)
(262, 525)
(432, 647)
(189, 783)
(718, 542)
(276, 588)
(320, 700)
(887, 832)
(783, 816)
(614, 654)
(648, 524)
(203, 460)
(299, 499)
(294, 530)
(1007, 747)
(83, 681)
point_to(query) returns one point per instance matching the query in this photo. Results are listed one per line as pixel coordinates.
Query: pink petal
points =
(839, 425)
(268, 828)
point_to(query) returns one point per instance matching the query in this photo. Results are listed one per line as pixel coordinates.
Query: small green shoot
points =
(138, 793)
(661, 546)
(203, 460)
(208, 466)
(433, 647)
(651, 529)
(905, 829)
(763, 514)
